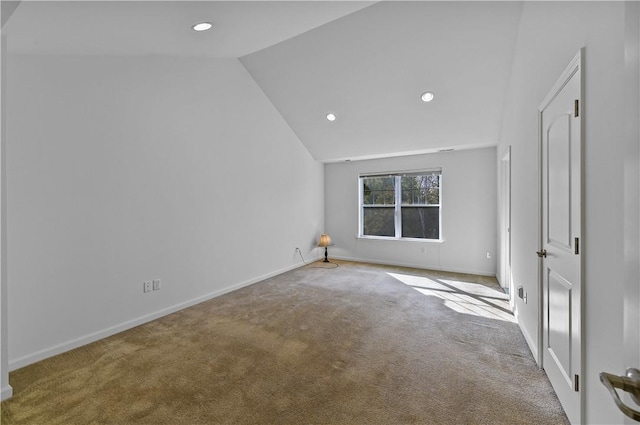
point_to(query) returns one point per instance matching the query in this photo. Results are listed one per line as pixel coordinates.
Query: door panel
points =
(561, 221)
(559, 199)
(559, 329)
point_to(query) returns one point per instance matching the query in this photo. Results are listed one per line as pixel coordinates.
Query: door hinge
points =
(576, 108)
(576, 383)
(576, 246)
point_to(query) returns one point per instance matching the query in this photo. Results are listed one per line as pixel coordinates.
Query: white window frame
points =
(398, 205)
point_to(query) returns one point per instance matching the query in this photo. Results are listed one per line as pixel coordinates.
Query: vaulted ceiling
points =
(89, 27)
(366, 62)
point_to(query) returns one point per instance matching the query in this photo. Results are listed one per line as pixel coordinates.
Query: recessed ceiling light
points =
(427, 96)
(331, 117)
(202, 26)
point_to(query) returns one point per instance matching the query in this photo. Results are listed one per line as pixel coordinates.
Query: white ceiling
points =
(370, 68)
(164, 27)
(367, 62)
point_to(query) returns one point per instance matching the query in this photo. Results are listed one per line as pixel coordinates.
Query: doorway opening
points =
(505, 226)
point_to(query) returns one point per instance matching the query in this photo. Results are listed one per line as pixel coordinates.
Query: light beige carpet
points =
(359, 344)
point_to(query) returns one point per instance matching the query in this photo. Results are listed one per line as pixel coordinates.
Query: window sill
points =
(387, 238)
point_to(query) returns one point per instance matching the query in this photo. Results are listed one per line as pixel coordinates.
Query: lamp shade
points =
(325, 240)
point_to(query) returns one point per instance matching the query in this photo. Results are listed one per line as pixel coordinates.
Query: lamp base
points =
(326, 259)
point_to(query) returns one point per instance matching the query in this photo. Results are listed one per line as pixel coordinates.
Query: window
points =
(401, 205)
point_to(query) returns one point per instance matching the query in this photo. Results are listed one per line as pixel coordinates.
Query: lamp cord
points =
(335, 265)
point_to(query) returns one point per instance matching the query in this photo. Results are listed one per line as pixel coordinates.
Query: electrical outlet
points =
(156, 284)
(298, 249)
(488, 255)
(147, 286)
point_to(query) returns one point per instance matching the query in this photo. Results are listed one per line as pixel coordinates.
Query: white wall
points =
(468, 213)
(550, 35)
(124, 169)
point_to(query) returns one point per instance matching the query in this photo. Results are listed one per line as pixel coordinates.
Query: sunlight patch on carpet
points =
(462, 297)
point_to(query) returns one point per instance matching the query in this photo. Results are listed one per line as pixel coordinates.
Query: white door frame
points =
(638, 140)
(631, 318)
(5, 389)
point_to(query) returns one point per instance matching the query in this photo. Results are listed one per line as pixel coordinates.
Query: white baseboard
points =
(533, 345)
(95, 336)
(416, 266)
(6, 393)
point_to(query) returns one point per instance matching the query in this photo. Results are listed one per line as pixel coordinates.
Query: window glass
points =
(421, 190)
(379, 190)
(379, 221)
(421, 222)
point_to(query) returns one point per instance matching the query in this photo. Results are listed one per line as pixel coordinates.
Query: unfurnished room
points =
(319, 212)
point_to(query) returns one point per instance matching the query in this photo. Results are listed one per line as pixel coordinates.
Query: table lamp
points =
(325, 241)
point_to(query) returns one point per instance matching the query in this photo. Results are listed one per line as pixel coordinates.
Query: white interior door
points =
(561, 229)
